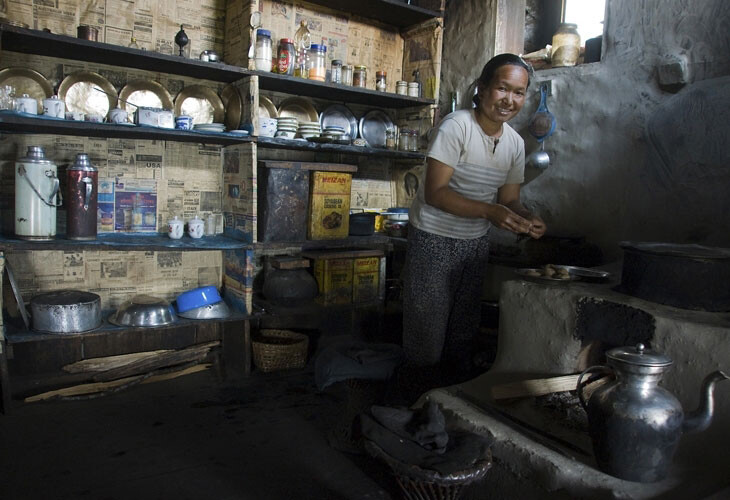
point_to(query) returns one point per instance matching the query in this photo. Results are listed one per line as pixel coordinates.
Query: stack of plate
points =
(209, 127)
(286, 127)
(309, 129)
(336, 134)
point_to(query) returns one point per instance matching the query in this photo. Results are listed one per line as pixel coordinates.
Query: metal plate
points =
(145, 93)
(525, 273)
(80, 92)
(27, 81)
(299, 108)
(587, 274)
(267, 108)
(373, 126)
(233, 104)
(200, 102)
(338, 115)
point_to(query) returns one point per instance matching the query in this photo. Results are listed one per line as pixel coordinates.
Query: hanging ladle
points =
(540, 158)
(541, 126)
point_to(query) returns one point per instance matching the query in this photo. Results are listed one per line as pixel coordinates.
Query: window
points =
(587, 14)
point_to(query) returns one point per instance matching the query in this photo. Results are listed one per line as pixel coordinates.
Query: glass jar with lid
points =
(336, 71)
(413, 141)
(347, 74)
(566, 45)
(263, 50)
(360, 76)
(401, 87)
(380, 81)
(404, 140)
(317, 69)
(286, 57)
(390, 138)
(414, 89)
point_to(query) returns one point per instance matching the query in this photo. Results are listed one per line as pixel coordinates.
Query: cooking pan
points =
(66, 311)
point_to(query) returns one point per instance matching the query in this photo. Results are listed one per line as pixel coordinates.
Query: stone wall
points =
(600, 183)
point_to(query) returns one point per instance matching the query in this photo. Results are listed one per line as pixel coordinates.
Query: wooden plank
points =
(108, 362)
(289, 263)
(305, 165)
(237, 349)
(535, 387)
(342, 254)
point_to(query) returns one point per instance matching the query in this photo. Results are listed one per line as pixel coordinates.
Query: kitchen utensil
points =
(542, 124)
(78, 91)
(197, 297)
(196, 227)
(87, 33)
(254, 23)
(219, 310)
(539, 158)
(36, 196)
(339, 116)
(200, 102)
(362, 223)
(233, 104)
(184, 122)
(145, 93)
(373, 126)
(175, 228)
(66, 311)
(18, 297)
(82, 180)
(635, 424)
(144, 311)
(300, 108)
(54, 107)
(267, 108)
(27, 81)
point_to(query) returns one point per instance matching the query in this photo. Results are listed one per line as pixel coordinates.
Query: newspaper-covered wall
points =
(240, 192)
(348, 38)
(152, 24)
(114, 275)
(422, 52)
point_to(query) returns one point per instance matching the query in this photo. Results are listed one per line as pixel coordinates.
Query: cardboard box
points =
(334, 280)
(346, 276)
(329, 207)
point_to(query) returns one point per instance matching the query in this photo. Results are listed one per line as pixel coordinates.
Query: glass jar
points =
(347, 75)
(359, 76)
(316, 68)
(413, 89)
(381, 81)
(566, 45)
(286, 57)
(404, 140)
(401, 87)
(390, 138)
(336, 71)
(133, 44)
(302, 42)
(413, 141)
(263, 50)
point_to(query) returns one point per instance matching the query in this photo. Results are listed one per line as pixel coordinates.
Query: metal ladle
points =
(540, 158)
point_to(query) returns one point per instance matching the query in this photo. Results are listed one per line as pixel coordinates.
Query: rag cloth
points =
(355, 359)
(419, 437)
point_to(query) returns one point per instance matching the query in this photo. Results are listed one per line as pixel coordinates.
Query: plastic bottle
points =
(302, 42)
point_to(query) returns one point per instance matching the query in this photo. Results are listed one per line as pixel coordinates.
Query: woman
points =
(475, 165)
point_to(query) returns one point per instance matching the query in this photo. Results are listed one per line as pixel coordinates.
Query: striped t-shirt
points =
(482, 164)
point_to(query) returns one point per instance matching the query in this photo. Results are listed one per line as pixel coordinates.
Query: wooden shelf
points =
(336, 92)
(127, 241)
(375, 240)
(16, 123)
(394, 12)
(270, 142)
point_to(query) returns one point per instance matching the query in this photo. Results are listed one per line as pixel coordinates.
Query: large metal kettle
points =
(635, 424)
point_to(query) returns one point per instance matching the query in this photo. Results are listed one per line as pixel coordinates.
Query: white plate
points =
(239, 132)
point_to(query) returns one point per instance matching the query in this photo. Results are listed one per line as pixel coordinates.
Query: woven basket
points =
(279, 350)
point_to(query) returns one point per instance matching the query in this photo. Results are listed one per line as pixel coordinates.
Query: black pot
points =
(685, 276)
(362, 224)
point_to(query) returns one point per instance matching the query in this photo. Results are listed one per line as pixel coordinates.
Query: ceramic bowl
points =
(285, 134)
(144, 311)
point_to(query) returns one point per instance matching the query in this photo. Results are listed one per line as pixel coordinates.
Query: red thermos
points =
(82, 181)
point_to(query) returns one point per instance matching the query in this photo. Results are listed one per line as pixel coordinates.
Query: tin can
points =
(36, 196)
(82, 193)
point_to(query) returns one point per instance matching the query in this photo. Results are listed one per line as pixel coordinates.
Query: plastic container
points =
(336, 72)
(362, 224)
(381, 81)
(286, 57)
(316, 66)
(263, 50)
(197, 297)
(566, 45)
(360, 76)
(347, 74)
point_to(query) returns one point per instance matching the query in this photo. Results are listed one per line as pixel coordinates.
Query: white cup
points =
(196, 227)
(175, 228)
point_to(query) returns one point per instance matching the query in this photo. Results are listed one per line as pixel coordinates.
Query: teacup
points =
(184, 122)
(75, 115)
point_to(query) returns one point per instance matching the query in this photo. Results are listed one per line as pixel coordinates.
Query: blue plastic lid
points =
(263, 33)
(316, 46)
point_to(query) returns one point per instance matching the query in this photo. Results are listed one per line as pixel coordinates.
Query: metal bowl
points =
(145, 311)
(211, 311)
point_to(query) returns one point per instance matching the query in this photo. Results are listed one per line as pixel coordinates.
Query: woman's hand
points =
(504, 218)
(537, 227)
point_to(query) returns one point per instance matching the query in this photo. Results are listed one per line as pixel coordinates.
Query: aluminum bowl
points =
(144, 311)
(218, 310)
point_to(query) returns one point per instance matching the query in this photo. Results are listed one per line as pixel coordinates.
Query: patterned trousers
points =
(441, 299)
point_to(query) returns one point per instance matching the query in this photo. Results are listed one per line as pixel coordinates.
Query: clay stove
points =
(543, 448)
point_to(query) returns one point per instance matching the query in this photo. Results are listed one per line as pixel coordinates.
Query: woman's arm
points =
(438, 194)
(509, 196)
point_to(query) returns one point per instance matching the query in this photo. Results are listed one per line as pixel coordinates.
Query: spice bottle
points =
(566, 45)
(380, 81)
(336, 72)
(263, 50)
(316, 64)
(360, 76)
(413, 141)
(285, 57)
(404, 140)
(390, 138)
(347, 75)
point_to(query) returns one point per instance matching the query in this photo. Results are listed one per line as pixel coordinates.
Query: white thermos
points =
(36, 196)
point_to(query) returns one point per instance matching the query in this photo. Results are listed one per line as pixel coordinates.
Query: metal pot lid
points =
(35, 154)
(65, 298)
(678, 250)
(638, 356)
(83, 163)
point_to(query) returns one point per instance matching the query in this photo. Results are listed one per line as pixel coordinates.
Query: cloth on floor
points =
(350, 358)
(419, 437)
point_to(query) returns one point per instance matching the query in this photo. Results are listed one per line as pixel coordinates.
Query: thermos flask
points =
(82, 181)
(36, 196)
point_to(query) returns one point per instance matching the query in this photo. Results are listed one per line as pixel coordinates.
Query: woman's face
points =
(504, 97)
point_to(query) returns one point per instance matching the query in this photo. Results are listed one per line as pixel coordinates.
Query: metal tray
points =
(338, 115)
(198, 110)
(27, 81)
(267, 108)
(233, 104)
(77, 91)
(576, 273)
(300, 108)
(373, 126)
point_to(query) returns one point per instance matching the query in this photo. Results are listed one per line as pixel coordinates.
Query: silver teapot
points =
(635, 424)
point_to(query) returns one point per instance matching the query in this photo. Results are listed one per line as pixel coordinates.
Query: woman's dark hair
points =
(497, 62)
